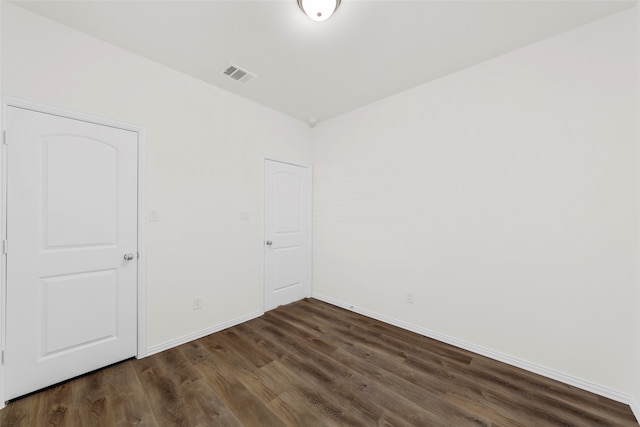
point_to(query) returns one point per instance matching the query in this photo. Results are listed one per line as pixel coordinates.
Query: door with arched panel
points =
(287, 225)
(71, 248)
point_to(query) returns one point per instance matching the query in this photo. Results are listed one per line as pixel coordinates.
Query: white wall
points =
(204, 149)
(505, 197)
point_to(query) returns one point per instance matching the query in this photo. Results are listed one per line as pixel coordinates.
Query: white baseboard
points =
(202, 333)
(635, 408)
(496, 355)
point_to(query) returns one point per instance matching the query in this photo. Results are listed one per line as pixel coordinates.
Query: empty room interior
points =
(465, 171)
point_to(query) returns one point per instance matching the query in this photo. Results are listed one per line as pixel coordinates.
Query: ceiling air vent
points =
(237, 73)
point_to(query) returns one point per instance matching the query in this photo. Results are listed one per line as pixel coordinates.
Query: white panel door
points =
(287, 233)
(72, 248)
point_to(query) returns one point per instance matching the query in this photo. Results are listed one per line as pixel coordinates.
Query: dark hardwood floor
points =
(312, 364)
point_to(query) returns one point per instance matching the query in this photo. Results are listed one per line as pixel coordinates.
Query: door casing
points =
(141, 223)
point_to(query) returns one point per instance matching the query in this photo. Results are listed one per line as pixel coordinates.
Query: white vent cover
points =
(238, 74)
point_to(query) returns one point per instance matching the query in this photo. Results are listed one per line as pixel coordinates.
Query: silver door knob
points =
(269, 243)
(128, 257)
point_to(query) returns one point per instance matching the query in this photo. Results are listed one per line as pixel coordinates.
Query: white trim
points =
(70, 114)
(496, 355)
(263, 266)
(310, 242)
(3, 233)
(635, 408)
(142, 244)
(202, 333)
(635, 395)
(142, 301)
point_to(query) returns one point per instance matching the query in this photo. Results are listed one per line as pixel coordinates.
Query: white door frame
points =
(142, 300)
(263, 160)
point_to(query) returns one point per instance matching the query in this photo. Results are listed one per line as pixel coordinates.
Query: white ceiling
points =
(368, 50)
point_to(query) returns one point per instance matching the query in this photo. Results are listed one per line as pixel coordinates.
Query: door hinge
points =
(3, 357)
(5, 246)
(4, 137)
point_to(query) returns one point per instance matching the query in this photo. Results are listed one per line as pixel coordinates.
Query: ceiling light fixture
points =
(319, 10)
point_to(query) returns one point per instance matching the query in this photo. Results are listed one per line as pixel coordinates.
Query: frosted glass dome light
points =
(319, 10)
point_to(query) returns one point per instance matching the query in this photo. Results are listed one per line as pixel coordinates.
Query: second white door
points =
(287, 225)
(72, 248)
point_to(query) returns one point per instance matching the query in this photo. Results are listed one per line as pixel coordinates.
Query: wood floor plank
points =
(251, 331)
(16, 414)
(207, 409)
(90, 406)
(196, 352)
(528, 404)
(162, 397)
(313, 364)
(481, 408)
(127, 397)
(299, 334)
(245, 348)
(551, 393)
(377, 359)
(301, 319)
(53, 405)
(162, 384)
(245, 405)
(180, 367)
(224, 353)
(288, 408)
(363, 394)
(324, 404)
(321, 372)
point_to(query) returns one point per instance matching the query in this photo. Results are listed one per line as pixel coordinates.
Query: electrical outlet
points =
(410, 298)
(197, 303)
